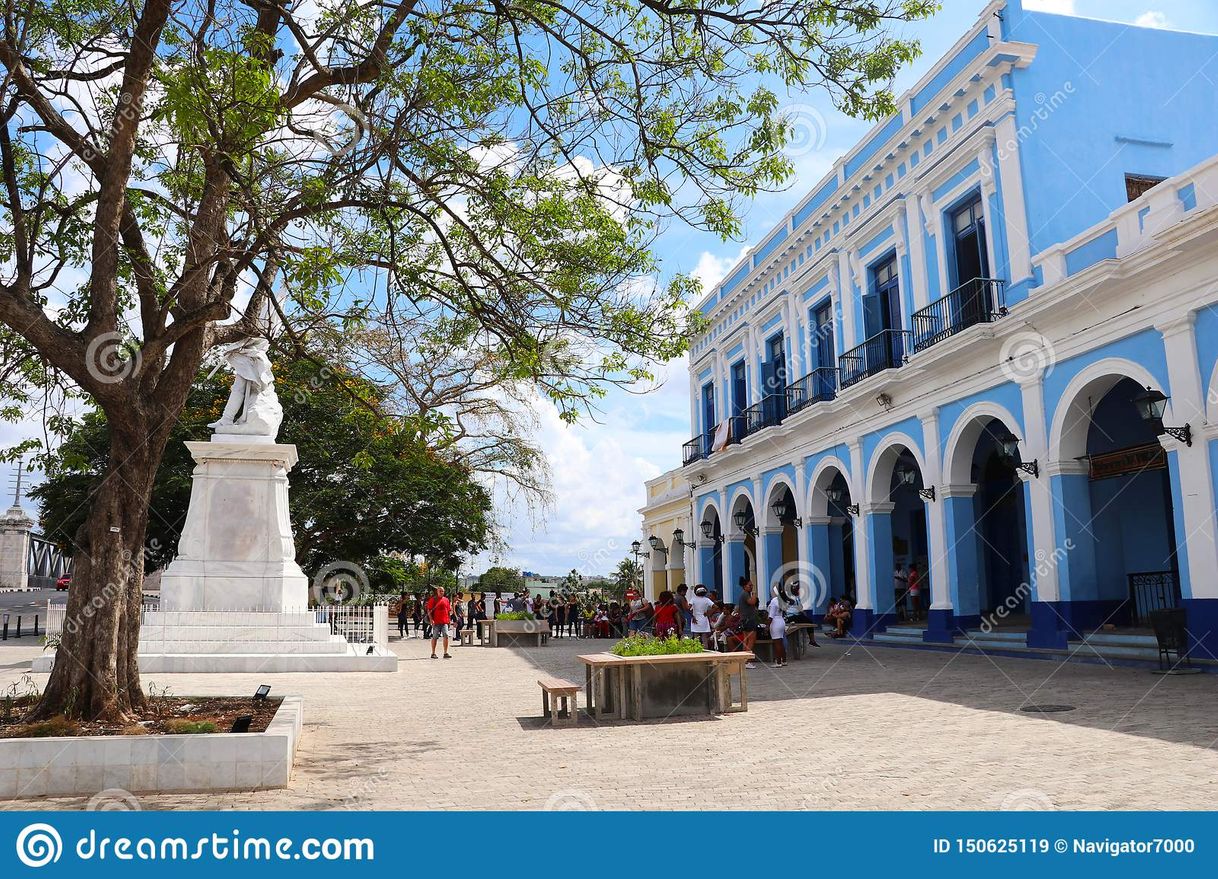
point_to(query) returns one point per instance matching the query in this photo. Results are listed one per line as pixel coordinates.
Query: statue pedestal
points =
(234, 599)
(236, 550)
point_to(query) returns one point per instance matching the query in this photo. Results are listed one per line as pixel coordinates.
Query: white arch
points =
(711, 506)
(1071, 418)
(881, 464)
(967, 430)
(1211, 396)
(767, 519)
(818, 502)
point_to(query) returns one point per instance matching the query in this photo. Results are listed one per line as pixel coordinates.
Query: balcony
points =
(973, 302)
(695, 450)
(887, 349)
(820, 384)
(770, 411)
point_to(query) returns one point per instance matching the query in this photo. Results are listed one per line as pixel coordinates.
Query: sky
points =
(599, 466)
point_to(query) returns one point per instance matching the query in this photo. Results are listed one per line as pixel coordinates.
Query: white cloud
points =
(711, 269)
(1152, 18)
(1061, 7)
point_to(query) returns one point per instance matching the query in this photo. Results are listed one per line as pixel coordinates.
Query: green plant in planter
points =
(516, 615)
(191, 727)
(646, 645)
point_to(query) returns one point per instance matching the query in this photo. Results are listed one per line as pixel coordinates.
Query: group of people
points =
(701, 614)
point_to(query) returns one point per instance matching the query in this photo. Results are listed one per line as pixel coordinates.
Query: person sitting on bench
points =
(839, 615)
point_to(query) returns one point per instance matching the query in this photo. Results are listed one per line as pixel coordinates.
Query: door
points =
(883, 315)
(740, 389)
(708, 417)
(826, 351)
(972, 297)
(777, 378)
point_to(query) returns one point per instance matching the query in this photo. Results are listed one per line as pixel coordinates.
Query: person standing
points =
(667, 616)
(636, 619)
(687, 617)
(900, 592)
(778, 629)
(915, 592)
(573, 616)
(458, 615)
(403, 617)
(700, 608)
(747, 609)
(438, 614)
(416, 616)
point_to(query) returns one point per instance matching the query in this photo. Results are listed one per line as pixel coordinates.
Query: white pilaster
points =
(1015, 215)
(941, 573)
(1036, 447)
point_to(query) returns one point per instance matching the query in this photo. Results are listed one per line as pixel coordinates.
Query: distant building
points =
(667, 518)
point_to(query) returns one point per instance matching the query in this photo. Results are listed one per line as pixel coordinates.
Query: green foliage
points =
(514, 615)
(646, 645)
(363, 487)
(502, 580)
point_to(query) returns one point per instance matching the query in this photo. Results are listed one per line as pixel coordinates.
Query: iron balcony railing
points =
(768, 412)
(820, 384)
(887, 349)
(694, 450)
(978, 301)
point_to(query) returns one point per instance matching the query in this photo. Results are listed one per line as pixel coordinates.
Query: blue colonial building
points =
(985, 344)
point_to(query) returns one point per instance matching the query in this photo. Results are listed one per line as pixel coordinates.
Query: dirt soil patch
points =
(173, 715)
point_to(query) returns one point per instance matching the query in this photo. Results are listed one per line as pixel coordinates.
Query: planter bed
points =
(154, 762)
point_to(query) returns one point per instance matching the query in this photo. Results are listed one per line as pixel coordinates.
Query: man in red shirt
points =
(438, 612)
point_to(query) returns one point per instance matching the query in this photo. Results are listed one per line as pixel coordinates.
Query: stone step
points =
(354, 660)
(1119, 639)
(174, 646)
(899, 636)
(229, 618)
(313, 632)
(1009, 636)
(1111, 651)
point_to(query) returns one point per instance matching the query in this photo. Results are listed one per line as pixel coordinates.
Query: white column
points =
(940, 571)
(1036, 447)
(862, 543)
(1196, 479)
(1015, 219)
(917, 252)
(845, 296)
(759, 537)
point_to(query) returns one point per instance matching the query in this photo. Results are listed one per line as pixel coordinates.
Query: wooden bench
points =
(554, 689)
(467, 637)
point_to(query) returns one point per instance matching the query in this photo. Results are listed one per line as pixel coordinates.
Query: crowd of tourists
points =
(700, 613)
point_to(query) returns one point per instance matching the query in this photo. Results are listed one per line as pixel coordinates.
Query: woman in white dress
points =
(778, 630)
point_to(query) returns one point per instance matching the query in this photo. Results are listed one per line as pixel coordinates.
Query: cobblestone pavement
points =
(847, 728)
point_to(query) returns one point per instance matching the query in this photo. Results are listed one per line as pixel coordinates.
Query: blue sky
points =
(599, 468)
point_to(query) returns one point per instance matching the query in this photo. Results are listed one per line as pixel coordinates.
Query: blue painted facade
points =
(986, 259)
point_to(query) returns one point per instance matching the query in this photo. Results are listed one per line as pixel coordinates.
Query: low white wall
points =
(153, 764)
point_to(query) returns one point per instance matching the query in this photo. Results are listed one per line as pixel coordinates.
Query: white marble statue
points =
(253, 394)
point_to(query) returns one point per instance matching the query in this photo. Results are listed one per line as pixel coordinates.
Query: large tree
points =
(366, 484)
(172, 170)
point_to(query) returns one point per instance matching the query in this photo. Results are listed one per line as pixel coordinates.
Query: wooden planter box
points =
(643, 687)
(519, 633)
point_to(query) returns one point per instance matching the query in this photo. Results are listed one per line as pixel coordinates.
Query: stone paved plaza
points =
(848, 728)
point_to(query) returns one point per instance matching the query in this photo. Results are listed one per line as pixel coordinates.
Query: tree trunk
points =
(95, 676)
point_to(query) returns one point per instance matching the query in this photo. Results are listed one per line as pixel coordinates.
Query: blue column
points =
(964, 558)
(736, 564)
(878, 576)
(773, 564)
(820, 563)
(706, 566)
(1079, 609)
